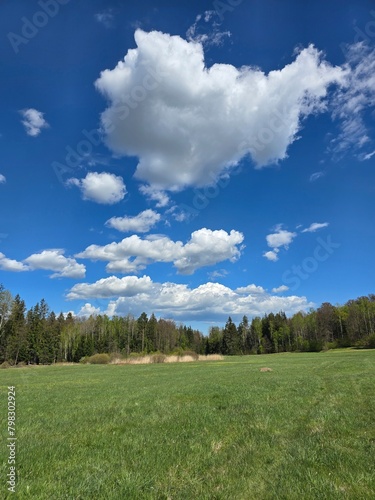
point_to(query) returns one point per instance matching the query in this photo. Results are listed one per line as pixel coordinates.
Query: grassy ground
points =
(214, 430)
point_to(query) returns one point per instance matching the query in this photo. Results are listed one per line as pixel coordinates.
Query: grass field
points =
(213, 430)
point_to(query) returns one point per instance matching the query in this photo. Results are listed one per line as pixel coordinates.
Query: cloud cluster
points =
(141, 223)
(103, 188)
(2, 179)
(209, 301)
(189, 124)
(205, 248)
(356, 95)
(33, 121)
(282, 238)
(54, 260)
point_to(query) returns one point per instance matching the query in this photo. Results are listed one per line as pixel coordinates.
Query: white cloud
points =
(251, 289)
(281, 238)
(54, 260)
(33, 121)
(356, 95)
(205, 248)
(315, 226)
(103, 188)
(111, 287)
(106, 18)
(155, 194)
(212, 36)
(141, 223)
(11, 265)
(189, 124)
(316, 175)
(209, 301)
(280, 289)
(367, 156)
(2, 179)
(88, 310)
(215, 275)
(272, 255)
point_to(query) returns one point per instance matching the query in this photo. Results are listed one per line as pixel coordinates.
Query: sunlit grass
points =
(220, 430)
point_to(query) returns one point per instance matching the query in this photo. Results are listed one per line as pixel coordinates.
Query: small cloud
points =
(272, 255)
(2, 179)
(317, 175)
(106, 18)
(155, 194)
(280, 289)
(33, 121)
(103, 188)
(315, 226)
(141, 223)
(367, 156)
(281, 238)
(214, 37)
(221, 273)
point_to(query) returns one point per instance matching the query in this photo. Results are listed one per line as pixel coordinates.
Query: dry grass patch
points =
(266, 369)
(162, 358)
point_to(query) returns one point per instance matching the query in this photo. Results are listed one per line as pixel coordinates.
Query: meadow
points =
(212, 430)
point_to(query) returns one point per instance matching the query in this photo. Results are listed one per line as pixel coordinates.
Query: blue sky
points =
(192, 159)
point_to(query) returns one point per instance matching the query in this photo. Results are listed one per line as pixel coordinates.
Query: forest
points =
(39, 336)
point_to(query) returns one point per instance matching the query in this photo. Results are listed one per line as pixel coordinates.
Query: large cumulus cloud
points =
(189, 124)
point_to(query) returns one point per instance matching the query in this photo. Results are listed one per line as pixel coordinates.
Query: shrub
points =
(99, 359)
(366, 342)
(5, 364)
(370, 341)
(158, 358)
(330, 345)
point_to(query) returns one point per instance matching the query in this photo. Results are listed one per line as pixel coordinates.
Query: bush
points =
(5, 365)
(366, 342)
(99, 359)
(370, 341)
(330, 345)
(158, 358)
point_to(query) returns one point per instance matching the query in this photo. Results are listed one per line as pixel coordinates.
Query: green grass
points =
(212, 430)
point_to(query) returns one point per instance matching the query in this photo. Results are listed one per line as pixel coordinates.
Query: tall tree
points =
(6, 301)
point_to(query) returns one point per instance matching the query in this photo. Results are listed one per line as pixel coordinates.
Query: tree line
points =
(39, 336)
